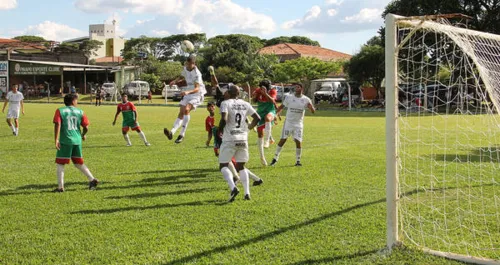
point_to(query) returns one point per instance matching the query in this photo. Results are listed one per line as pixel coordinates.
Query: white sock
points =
(127, 139)
(267, 131)
(84, 169)
(278, 152)
(260, 145)
(228, 176)
(177, 124)
(252, 175)
(298, 153)
(245, 181)
(233, 170)
(60, 176)
(13, 128)
(143, 137)
(185, 123)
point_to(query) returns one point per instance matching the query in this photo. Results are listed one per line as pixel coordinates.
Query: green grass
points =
(165, 204)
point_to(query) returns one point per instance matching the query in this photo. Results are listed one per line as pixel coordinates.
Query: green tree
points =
(30, 38)
(67, 47)
(154, 81)
(485, 14)
(368, 66)
(89, 47)
(293, 39)
(305, 69)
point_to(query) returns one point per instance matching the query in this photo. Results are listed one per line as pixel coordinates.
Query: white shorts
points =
(238, 150)
(295, 130)
(13, 114)
(193, 99)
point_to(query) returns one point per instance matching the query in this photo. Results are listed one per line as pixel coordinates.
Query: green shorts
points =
(67, 152)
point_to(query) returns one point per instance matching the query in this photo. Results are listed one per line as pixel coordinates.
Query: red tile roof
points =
(18, 45)
(304, 51)
(109, 59)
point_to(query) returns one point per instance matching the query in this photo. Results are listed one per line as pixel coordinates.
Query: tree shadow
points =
(193, 171)
(336, 258)
(478, 155)
(142, 208)
(269, 235)
(158, 194)
(153, 184)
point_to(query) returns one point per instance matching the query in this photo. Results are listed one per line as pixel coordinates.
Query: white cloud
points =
(366, 15)
(160, 33)
(54, 31)
(334, 2)
(136, 6)
(340, 16)
(332, 12)
(203, 16)
(8, 4)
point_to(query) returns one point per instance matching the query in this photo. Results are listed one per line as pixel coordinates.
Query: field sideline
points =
(165, 204)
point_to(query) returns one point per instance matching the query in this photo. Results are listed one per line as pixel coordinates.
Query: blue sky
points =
(341, 25)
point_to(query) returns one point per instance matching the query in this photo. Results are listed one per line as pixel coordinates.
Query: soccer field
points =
(166, 204)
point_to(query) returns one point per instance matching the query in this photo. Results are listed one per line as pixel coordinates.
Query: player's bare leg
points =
(9, 122)
(278, 151)
(177, 123)
(143, 137)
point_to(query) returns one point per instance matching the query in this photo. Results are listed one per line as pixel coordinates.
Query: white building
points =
(112, 44)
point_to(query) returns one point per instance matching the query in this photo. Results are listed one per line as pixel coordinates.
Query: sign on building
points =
(4, 76)
(34, 69)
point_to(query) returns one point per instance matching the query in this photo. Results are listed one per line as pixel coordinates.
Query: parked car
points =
(109, 90)
(169, 91)
(137, 89)
(331, 91)
(279, 92)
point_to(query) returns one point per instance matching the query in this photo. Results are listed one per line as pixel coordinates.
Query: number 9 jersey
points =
(236, 129)
(71, 119)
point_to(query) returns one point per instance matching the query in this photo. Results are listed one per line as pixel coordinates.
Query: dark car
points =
(177, 96)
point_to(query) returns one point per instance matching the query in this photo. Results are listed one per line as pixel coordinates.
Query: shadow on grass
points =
(39, 188)
(151, 184)
(142, 208)
(336, 258)
(269, 235)
(477, 155)
(158, 194)
(201, 171)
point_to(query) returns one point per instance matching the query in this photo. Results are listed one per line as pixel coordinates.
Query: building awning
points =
(65, 65)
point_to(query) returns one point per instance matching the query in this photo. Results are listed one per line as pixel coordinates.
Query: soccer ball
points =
(187, 46)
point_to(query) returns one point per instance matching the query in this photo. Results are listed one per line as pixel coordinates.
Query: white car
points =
(169, 91)
(137, 89)
(109, 88)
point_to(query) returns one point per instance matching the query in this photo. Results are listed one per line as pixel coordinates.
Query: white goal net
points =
(444, 93)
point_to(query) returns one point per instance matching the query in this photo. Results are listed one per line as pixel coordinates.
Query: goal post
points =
(442, 98)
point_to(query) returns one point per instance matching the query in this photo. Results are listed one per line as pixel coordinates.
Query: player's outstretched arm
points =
(135, 115)
(255, 120)
(22, 106)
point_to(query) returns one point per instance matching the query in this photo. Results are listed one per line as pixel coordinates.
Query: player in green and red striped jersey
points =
(68, 139)
(129, 113)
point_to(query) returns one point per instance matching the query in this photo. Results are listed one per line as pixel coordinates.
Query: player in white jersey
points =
(192, 97)
(235, 139)
(296, 105)
(15, 100)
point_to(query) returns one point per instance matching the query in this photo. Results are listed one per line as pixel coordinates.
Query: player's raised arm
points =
(255, 120)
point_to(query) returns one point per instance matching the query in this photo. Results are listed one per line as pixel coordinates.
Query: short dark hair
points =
(234, 90)
(265, 83)
(68, 98)
(298, 84)
(191, 58)
(124, 94)
(210, 104)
